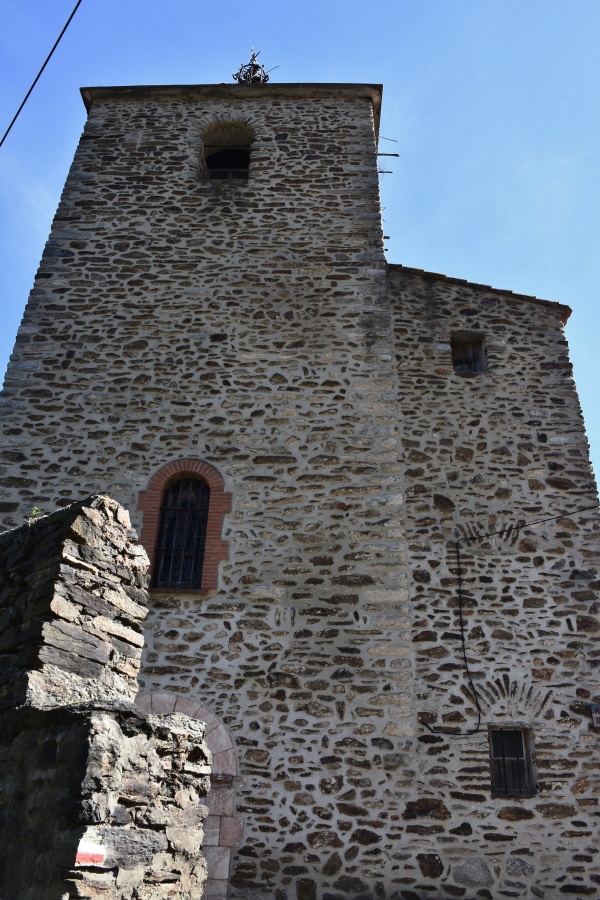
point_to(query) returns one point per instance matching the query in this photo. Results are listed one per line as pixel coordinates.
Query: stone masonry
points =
(493, 453)
(73, 602)
(252, 331)
(97, 799)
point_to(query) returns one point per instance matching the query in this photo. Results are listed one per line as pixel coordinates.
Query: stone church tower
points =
(365, 490)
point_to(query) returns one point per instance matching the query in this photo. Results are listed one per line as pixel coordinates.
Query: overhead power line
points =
(37, 77)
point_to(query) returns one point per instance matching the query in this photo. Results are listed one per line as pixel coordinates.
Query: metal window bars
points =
(511, 770)
(179, 554)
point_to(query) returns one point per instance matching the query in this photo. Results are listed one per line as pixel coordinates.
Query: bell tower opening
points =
(227, 151)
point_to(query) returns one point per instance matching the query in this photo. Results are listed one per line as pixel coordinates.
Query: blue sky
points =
(495, 105)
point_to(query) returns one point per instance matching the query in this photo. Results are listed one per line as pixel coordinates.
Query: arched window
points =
(183, 507)
(179, 552)
(227, 150)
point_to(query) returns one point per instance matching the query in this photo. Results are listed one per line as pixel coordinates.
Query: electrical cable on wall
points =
(502, 531)
(38, 76)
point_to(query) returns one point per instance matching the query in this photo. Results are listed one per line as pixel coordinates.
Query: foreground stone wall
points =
(101, 801)
(97, 799)
(72, 606)
(493, 453)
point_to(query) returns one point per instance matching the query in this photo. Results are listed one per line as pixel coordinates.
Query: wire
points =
(464, 656)
(420, 211)
(414, 193)
(477, 537)
(37, 77)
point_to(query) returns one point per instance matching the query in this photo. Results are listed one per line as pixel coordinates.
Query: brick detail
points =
(149, 502)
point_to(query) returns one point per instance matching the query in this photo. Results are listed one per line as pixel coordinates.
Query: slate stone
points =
(430, 864)
(473, 872)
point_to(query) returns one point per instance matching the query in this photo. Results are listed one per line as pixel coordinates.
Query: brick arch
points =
(222, 828)
(220, 503)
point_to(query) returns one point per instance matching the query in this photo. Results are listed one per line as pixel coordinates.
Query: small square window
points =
(226, 151)
(511, 765)
(227, 162)
(468, 354)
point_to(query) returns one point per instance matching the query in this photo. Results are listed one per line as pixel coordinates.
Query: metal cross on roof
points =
(252, 72)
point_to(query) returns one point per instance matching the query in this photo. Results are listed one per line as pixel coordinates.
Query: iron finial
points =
(252, 72)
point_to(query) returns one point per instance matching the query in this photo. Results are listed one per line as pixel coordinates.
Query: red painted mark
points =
(89, 858)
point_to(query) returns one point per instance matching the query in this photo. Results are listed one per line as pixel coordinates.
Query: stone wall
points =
(245, 325)
(97, 798)
(493, 453)
(72, 606)
(253, 329)
(241, 323)
(101, 801)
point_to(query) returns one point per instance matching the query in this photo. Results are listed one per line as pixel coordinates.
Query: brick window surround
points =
(149, 503)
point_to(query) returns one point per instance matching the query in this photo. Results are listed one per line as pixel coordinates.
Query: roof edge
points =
(317, 90)
(506, 292)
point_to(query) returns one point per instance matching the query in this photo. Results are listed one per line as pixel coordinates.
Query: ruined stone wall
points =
(492, 453)
(97, 799)
(101, 801)
(72, 607)
(246, 325)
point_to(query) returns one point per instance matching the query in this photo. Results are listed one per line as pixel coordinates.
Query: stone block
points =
(212, 831)
(221, 801)
(224, 762)
(163, 704)
(231, 831)
(216, 890)
(473, 872)
(217, 861)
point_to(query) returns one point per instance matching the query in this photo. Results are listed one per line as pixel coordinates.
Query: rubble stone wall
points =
(223, 829)
(254, 328)
(172, 316)
(97, 798)
(72, 606)
(499, 452)
(245, 325)
(102, 801)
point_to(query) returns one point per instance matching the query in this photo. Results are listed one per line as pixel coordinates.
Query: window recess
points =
(511, 762)
(179, 553)
(227, 162)
(468, 354)
(227, 148)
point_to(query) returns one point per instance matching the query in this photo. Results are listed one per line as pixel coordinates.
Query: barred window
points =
(512, 771)
(179, 553)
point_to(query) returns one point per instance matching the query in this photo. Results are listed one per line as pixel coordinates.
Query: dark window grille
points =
(179, 553)
(229, 162)
(468, 356)
(511, 762)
